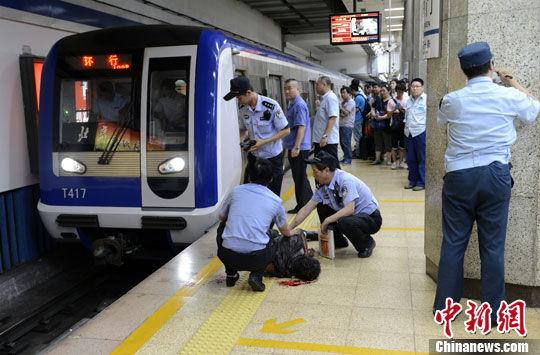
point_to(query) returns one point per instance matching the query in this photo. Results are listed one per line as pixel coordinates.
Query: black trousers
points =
(255, 262)
(277, 167)
(331, 149)
(302, 188)
(357, 228)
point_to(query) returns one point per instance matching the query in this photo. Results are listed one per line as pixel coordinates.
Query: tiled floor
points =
(383, 302)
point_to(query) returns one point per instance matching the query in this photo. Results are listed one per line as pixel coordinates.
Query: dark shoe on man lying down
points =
(231, 280)
(312, 236)
(256, 283)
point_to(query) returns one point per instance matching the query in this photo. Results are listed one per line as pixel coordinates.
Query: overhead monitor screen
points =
(357, 28)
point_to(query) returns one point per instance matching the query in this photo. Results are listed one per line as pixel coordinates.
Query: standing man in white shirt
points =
(326, 122)
(480, 120)
(415, 135)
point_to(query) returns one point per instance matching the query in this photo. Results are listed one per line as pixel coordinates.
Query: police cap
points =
(474, 54)
(239, 85)
(324, 158)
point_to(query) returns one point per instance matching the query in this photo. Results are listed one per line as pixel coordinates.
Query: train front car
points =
(133, 135)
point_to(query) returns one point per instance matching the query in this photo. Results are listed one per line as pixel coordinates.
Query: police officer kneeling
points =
(345, 202)
(246, 215)
(265, 123)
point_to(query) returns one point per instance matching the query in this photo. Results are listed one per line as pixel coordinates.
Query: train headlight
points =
(73, 166)
(171, 166)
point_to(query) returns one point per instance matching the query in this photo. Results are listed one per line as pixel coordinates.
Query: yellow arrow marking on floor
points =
(271, 326)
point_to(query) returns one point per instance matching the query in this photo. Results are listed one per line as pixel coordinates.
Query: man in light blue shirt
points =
(415, 135)
(326, 122)
(247, 213)
(480, 123)
(346, 203)
(265, 123)
(298, 143)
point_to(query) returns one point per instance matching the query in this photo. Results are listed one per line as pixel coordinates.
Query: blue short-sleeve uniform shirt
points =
(250, 209)
(263, 122)
(298, 115)
(343, 189)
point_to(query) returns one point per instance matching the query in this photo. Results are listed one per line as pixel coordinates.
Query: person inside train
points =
(265, 123)
(344, 202)
(246, 216)
(171, 107)
(110, 106)
(292, 258)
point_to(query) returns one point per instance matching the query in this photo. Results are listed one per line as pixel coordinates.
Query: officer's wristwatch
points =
(296, 148)
(325, 136)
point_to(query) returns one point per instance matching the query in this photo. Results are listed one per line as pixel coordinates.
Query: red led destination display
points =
(357, 28)
(100, 62)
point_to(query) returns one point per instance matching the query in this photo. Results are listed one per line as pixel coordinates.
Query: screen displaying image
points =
(355, 28)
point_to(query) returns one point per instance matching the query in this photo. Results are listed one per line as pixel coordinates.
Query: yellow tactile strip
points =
(153, 323)
(220, 332)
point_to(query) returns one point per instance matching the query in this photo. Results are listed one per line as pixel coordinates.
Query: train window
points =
(275, 89)
(168, 104)
(93, 111)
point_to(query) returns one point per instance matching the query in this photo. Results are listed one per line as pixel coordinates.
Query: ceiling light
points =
(387, 17)
(395, 9)
(395, 29)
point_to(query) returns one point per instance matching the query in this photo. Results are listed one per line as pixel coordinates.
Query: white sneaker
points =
(403, 165)
(394, 166)
(388, 162)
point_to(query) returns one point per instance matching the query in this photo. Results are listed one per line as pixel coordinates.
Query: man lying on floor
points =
(292, 258)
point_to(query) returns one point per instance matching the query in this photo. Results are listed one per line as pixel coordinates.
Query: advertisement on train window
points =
(357, 28)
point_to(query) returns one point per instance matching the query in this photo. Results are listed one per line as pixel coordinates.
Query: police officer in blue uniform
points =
(480, 121)
(265, 124)
(246, 215)
(344, 202)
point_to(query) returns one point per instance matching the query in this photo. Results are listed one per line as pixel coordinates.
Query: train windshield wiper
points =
(116, 138)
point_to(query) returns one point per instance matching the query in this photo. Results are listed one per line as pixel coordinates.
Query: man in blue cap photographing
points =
(480, 120)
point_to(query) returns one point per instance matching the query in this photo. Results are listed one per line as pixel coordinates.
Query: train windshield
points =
(97, 112)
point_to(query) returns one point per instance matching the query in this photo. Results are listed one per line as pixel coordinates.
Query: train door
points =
(167, 127)
(275, 91)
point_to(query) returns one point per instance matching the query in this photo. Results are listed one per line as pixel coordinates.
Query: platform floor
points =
(379, 305)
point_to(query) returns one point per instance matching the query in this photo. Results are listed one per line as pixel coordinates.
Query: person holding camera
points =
(345, 202)
(266, 124)
(246, 215)
(480, 125)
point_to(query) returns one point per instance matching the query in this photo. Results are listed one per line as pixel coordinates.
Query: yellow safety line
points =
(336, 349)
(155, 321)
(220, 332)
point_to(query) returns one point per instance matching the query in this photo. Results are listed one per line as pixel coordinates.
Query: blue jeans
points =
(480, 194)
(416, 159)
(345, 134)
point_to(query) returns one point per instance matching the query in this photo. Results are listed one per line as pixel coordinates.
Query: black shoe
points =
(256, 284)
(312, 236)
(366, 253)
(294, 210)
(342, 244)
(231, 280)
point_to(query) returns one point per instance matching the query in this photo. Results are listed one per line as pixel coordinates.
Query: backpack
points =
(397, 123)
(367, 107)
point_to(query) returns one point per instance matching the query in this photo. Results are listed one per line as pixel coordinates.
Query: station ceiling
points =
(299, 16)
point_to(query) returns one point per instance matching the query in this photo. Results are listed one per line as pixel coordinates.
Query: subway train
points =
(137, 146)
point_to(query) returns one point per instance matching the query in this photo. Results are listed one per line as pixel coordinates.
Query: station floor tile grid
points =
(378, 305)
